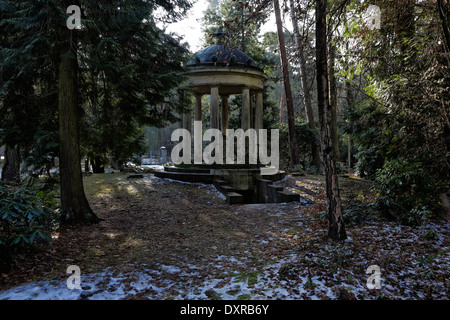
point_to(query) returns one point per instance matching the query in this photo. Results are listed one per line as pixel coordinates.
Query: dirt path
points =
(173, 223)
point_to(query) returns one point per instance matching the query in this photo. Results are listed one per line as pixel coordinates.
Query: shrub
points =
(25, 219)
(368, 162)
(304, 136)
(356, 212)
(406, 192)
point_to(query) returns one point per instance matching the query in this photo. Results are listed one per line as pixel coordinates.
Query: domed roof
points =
(221, 55)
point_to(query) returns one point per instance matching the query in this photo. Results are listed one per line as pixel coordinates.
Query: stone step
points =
(222, 187)
(135, 176)
(234, 198)
(261, 185)
(217, 182)
(226, 189)
(262, 189)
(286, 196)
(275, 177)
(186, 169)
(272, 193)
(185, 176)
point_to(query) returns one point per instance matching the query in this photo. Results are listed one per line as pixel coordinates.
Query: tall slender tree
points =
(443, 7)
(336, 228)
(350, 100)
(287, 85)
(300, 43)
(332, 84)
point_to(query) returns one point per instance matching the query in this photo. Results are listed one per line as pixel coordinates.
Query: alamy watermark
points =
(74, 280)
(372, 17)
(214, 153)
(374, 280)
(74, 20)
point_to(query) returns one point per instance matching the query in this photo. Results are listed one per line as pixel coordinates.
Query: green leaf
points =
(16, 240)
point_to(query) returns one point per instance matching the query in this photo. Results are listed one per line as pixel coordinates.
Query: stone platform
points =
(238, 183)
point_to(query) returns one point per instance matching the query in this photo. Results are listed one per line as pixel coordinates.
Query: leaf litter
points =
(162, 239)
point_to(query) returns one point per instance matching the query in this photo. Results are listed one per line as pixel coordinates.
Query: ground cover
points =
(162, 239)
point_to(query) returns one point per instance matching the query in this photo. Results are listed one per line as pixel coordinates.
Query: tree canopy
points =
(118, 70)
(387, 86)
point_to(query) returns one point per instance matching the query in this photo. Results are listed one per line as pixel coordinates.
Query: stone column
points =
(259, 111)
(197, 132)
(245, 110)
(198, 108)
(214, 113)
(187, 122)
(224, 114)
(252, 111)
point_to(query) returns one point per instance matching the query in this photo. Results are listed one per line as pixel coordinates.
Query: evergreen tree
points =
(137, 64)
(27, 88)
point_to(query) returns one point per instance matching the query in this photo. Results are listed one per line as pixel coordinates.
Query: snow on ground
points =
(315, 270)
(163, 282)
(196, 282)
(153, 166)
(209, 187)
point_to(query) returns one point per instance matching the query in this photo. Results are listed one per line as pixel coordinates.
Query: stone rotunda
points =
(220, 72)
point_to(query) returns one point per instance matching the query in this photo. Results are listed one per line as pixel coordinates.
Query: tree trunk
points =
(242, 25)
(349, 106)
(86, 165)
(120, 165)
(315, 148)
(287, 86)
(97, 165)
(336, 228)
(333, 98)
(282, 105)
(5, 259)
(11, 168)
(74, 205)
(444, 16)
